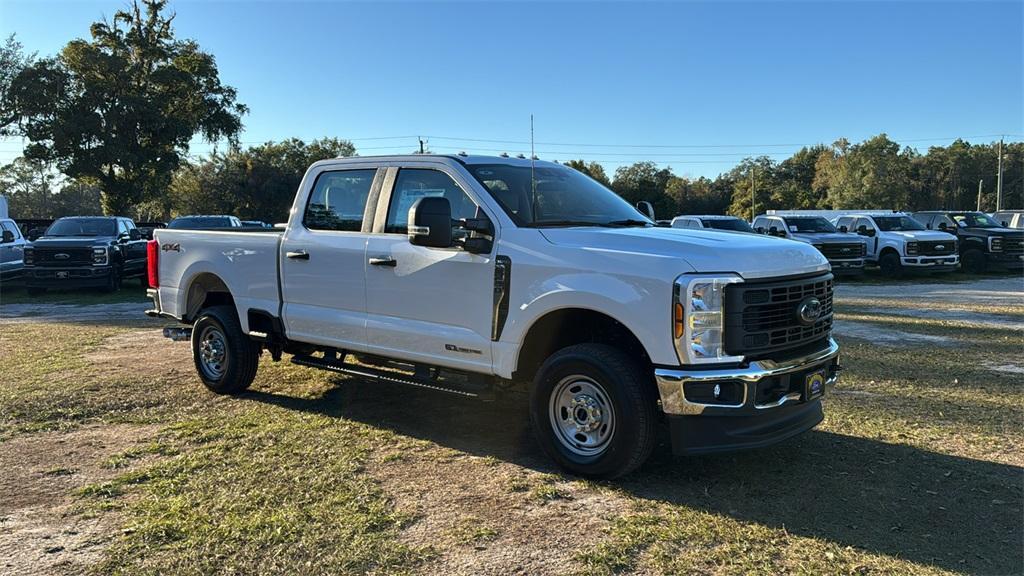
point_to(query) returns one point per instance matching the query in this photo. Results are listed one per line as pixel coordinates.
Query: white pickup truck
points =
(469, 274)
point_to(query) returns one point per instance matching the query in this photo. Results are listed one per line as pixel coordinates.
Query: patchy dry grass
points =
(916, 469)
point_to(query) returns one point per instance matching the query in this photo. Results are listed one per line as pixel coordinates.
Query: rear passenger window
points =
(413, 184)
(338, 200)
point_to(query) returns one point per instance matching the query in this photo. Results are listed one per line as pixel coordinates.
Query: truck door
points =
(432, 305)
(323, 260)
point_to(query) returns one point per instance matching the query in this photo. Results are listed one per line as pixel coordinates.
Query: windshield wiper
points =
(628, 222)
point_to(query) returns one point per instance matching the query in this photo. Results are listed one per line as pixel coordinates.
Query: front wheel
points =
(890, 264)
(225, 357)
(113, 281)
(594, 411)
(973, 261)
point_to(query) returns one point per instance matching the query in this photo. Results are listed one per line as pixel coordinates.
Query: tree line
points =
(109, 120)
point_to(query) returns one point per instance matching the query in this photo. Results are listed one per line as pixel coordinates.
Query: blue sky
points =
(709, 83)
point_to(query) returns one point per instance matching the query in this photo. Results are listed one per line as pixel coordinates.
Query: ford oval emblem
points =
(940, 246)
(61, 256)
(809, 311)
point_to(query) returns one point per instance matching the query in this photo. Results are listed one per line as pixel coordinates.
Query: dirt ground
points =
(473, 495)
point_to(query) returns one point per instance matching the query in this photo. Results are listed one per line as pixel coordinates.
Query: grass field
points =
(114, 460)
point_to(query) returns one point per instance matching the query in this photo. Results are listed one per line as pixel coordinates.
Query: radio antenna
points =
(533, 179)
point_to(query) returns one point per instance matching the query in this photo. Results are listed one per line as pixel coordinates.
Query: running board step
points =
(481, 391)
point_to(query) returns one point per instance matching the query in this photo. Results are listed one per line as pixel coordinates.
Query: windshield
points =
(815, 224)
(897, 223)
(734, 224)
(81, 227)
(975, 220)
(201, 222)
(561, 196)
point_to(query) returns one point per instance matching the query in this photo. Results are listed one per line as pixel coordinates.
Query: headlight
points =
(28, 257)
(995, 244)
(911, 248)
(698, 319)
(100, 257)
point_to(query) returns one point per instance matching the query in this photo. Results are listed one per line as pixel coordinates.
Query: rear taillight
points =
(153, 263)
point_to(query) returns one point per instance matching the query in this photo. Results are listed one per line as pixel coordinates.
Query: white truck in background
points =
(465, 274)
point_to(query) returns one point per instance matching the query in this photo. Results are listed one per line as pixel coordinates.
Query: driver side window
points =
(415, 183)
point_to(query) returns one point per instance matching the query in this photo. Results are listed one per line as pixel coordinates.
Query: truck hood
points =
(826, 237)
(924, 235)
(72, 241)
(749, 255)
(997, 232)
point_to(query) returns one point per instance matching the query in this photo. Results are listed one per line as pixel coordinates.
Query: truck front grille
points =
(765, 317)
(936, 248)
(843, 251)
(1013, 244)
(63, 257)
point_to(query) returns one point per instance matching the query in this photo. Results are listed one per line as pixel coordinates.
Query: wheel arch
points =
(204, 290)
(563, 327)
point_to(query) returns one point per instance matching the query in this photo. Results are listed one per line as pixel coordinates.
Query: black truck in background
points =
(83, 252)
(984, 243)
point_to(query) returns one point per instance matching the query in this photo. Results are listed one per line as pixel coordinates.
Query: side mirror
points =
(942, 226)
(844, 229)
(430, 222)
(8, 237)
(147, 233)
(759, 229)
(134, 234)
(1006, 224)
(646, 208)
(774, 231)
(33, 234)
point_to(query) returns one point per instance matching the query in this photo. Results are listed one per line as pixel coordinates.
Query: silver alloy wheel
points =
(582, 415)
(212, 352)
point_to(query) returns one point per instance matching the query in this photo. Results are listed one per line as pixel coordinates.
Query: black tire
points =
(234, 354)
(621, 385)
(973, 261)
(890, 264)
(113, 281)
(35, 290)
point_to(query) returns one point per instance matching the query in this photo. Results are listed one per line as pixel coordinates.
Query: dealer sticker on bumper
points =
(814, 385)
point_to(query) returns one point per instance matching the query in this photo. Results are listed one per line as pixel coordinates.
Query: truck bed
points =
(246, 260)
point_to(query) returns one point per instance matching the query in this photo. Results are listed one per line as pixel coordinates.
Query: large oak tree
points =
(121, 108)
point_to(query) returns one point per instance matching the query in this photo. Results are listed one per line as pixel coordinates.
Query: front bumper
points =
(82, 277)
(931, 263)
(1008, 261)
(847, 267)
(769, 405)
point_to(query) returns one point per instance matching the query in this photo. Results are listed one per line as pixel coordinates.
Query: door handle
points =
(383, 261)
(298, 255)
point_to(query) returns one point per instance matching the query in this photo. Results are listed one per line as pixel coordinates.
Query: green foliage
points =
(257, 183)
(644, 181)
(35, 190)
(12, 61)
(592, 169)
(874, 174)
(121, 108)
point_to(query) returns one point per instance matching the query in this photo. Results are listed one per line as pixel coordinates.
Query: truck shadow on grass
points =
(954, 513)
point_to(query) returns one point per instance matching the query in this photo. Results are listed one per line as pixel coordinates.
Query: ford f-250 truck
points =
(845, 251)
(467, 274)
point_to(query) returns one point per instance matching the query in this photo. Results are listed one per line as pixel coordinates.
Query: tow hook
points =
(178, 334)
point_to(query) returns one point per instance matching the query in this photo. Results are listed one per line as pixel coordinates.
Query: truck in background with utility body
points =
(468, 274)
(844, 251)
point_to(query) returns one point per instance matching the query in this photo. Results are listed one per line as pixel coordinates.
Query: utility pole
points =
(421, 145)
(999, 179)
(753, 170)
(979, 195)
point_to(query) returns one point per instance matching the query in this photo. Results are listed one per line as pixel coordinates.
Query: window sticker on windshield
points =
(792, 228)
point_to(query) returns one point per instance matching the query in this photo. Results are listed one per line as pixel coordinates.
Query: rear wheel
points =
(593, 411)
(973, 261)
(225, 357)
(890, 264)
